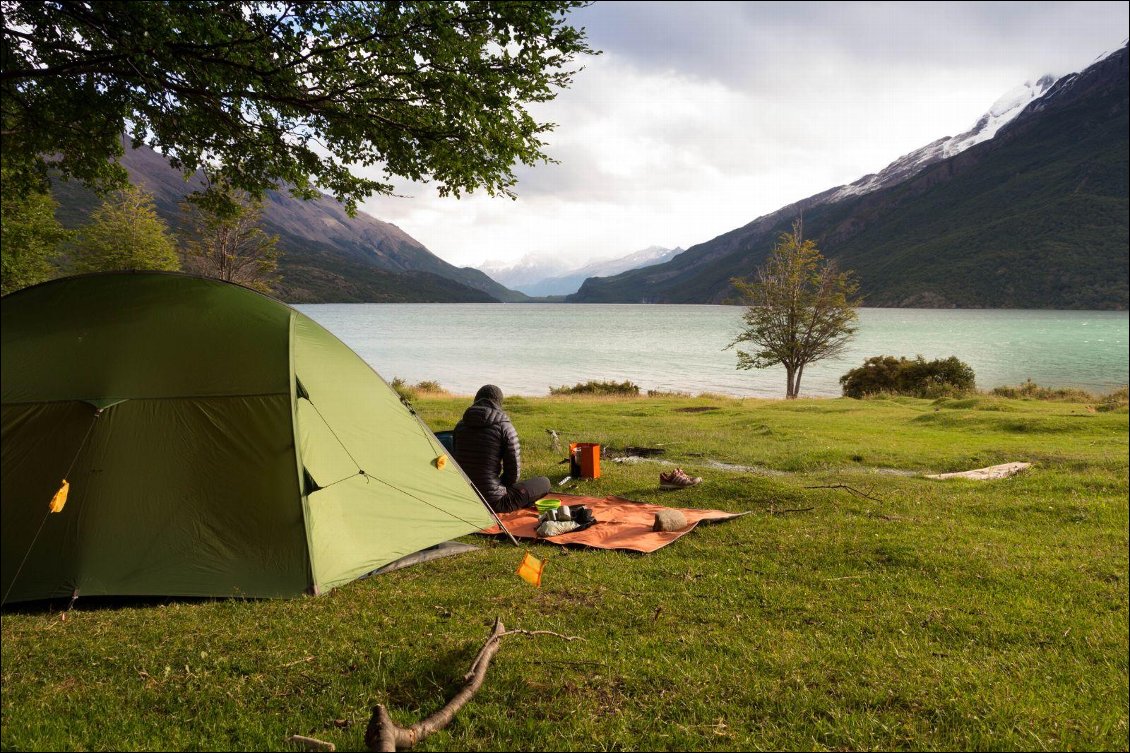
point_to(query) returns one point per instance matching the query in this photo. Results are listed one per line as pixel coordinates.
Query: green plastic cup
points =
(545, 505)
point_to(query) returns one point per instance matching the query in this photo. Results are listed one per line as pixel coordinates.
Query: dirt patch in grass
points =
(697, 409)
(568, 600)
(736, 468)
(606, 696)
(635, 452)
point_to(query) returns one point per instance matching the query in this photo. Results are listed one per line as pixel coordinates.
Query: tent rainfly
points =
(213, 442)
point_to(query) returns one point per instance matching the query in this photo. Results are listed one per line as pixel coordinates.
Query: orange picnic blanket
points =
(621, 524)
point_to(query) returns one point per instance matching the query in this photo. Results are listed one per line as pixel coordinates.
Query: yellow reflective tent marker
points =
(60, 497)
(530, 570)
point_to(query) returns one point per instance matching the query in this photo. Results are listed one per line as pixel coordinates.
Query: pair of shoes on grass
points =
(677, 479)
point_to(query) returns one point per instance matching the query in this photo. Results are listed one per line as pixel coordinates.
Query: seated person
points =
(485, 443)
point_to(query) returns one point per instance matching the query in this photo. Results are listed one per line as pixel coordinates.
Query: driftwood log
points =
(383, 734)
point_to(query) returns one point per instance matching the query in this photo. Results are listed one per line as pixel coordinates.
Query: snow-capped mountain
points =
(545, 275)
(1003, 111)
(1028, 209)
(539, 275)
(530, 269)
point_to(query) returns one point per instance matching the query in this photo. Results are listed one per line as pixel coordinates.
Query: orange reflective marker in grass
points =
(530, 570)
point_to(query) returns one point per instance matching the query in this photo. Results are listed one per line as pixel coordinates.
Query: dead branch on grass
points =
(850, 490)
(311, 743)
(383, 734)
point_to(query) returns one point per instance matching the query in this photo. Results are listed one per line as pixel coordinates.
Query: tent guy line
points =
(50, 507)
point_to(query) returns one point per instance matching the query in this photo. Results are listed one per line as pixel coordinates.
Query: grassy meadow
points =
(882, 611)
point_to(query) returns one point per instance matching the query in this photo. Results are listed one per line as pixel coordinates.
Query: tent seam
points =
(299, 463)
(217, 396)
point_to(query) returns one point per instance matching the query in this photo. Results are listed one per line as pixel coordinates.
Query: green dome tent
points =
(215, 441)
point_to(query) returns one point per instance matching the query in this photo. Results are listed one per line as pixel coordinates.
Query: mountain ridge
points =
(548, 276)
(1010, 213)
(325, 255)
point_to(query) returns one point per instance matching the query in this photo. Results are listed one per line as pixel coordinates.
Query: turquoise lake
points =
(527, 348)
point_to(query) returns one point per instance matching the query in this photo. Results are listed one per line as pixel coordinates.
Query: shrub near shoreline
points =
(1113, 400)
(594, 387)
(1032, 391)
(913, 377)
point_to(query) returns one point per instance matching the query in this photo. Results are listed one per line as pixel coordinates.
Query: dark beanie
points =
(489, 392)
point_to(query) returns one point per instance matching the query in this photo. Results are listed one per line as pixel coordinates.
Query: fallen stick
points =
(849, 489)
(311, 743)
(775, 511)
(383, 734)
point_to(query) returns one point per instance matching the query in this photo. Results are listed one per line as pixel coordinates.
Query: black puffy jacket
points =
(485, 443)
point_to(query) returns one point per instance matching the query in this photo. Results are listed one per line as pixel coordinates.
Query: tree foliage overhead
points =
(288, 94)
(801, 310)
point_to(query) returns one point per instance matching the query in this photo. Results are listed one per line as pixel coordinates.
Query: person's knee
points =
(507, 504)
(538, 487)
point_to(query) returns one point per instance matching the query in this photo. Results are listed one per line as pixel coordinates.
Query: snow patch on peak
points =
(1108, 53)
(1003, 111)
(1007, 107)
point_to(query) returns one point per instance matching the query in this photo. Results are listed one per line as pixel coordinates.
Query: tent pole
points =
(494, 515)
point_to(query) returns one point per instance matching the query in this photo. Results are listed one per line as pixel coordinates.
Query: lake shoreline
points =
(528, 349)
(1090, 397)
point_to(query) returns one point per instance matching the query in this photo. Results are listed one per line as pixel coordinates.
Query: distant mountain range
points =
(326, 255)
(542, 275)
(1029, 209)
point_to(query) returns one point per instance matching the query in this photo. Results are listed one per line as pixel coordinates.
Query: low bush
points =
(917, 377)
(1119, 400)
(592, 387)
(1029, 390)
(413, 391)
(402, 388)
(1032, 391)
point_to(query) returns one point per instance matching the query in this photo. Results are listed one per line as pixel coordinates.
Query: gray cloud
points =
(700, 117)
(739, 42)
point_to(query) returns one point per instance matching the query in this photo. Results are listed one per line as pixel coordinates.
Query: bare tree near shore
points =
(801, 309)
(226, 241)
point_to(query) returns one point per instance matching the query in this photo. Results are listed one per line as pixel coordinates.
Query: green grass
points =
(941, 615)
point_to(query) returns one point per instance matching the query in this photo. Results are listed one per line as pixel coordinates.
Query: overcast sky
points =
(700, 117)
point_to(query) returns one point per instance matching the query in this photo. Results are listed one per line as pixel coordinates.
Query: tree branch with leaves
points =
(298, 95)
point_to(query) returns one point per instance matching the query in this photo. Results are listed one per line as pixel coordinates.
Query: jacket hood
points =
(484, 413)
